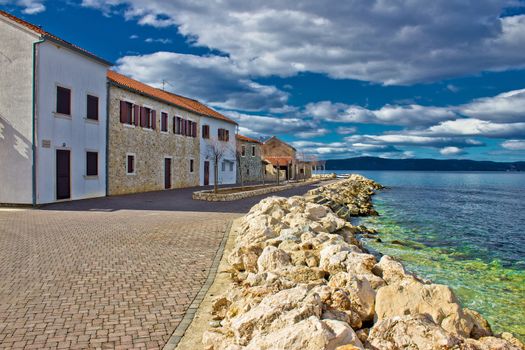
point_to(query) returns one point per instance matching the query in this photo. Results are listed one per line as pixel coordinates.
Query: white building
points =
(52, 117)
(218, 138)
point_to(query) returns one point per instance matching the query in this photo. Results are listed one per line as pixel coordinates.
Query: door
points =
(206, 173)
(63, 174)
(167, 173)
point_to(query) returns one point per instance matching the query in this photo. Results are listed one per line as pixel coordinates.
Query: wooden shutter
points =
(136, 114)
(124, 112)
(194, 129)
(63, 101)
(143, 121)
(153, 119)
(92, 107)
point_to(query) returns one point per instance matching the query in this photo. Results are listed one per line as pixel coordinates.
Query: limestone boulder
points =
(414, 298)
(245, 257)
(360, 292)
(480, 326)
(390, 270)
(272, 259)
(275, 312)
(491, 343)
(410, 332)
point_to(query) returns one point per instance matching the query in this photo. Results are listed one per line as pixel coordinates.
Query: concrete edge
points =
(177, 335)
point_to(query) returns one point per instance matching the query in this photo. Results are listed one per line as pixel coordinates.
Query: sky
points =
(336, 79)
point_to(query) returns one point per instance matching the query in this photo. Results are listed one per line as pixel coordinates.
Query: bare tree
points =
(239, 157)
(217, 150)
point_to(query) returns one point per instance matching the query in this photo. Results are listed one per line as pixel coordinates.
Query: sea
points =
(463, 229)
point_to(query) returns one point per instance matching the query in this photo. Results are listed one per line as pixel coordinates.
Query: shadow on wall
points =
(11, 139)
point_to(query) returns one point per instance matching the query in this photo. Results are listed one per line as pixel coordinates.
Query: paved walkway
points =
(114, 272)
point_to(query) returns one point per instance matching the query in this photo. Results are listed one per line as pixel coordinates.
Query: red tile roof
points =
(47, 35)
(246, 138)
(279, 160)
(171, 98)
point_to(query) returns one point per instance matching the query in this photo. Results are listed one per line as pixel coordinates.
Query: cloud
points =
(451, 151)
(401, 139)
(399, 42)
(29, 7)
(345, 130)
(505, 107)
(409, 115)
(159, 40)
(260, 125)
(212, 79)
(476, 127)
(134, 36)
(514, 145)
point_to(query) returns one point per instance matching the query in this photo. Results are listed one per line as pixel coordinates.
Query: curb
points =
(177, 335)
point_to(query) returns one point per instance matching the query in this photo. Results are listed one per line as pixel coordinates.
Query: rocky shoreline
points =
(302, 280)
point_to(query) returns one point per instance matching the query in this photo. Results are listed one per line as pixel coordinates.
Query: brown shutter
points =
(136, 114)
(123, 112)
(153, 119)
(194, 129)
(143, 121)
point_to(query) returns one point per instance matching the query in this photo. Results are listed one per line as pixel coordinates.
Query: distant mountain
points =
(375, 163)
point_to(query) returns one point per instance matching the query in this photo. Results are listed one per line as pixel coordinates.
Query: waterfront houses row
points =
(71, 128)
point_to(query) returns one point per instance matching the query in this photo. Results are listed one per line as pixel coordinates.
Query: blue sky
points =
(396, 79)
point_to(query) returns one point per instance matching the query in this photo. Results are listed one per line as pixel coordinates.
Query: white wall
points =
(57, 65)
(225, 177)
(16, 88)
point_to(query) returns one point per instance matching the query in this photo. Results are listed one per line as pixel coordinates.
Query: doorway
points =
(206, 173)
(63, 174)
(167, 173)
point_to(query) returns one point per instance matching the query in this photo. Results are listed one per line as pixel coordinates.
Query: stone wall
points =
(250, 167)
(150, 148)
(211, 196)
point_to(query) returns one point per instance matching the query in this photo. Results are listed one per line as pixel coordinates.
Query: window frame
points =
(88, 117)
(57, 113)
(166, 114)
(192, 165)
(254, 151)
(134, 163)
(87, 174)
(206, 135)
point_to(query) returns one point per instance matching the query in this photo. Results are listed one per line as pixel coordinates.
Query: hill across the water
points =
(376, 163)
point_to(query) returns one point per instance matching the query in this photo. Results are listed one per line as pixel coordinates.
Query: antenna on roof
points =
(163, 82)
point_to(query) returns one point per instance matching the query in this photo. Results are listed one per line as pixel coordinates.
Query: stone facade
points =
(281, 155)
(150, 147)
(250, 165)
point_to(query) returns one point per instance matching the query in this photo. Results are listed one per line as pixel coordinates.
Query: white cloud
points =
(397, 42)
(409, 115)
(29, 7)
(505, 107)
(514, 145)
(401, 139)
(345, 130)
(158, 40)
(212, 79)
(476, 127)
(134, 36)
(451, 151)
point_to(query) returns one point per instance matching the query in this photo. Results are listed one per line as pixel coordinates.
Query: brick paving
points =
(107, 273)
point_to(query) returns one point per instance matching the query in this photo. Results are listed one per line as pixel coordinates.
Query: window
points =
(130, 164)
(253, 151)
(148, 118)
(191, 165)
(231, 166)
(223, 166)
(91, 164)
(126, 112)
(63, 101)
(164, 122)
(205, 131)
(92, 107)
(223, 134)
(243, 151)
(247, 171)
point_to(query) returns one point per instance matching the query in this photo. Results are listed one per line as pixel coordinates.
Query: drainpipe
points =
(33, 122)
(107, 138)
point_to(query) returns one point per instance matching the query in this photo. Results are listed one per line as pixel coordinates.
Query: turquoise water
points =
(466, 230)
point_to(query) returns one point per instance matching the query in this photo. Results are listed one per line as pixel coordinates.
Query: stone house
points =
(281, 156)
(250, 167)
(153, 141)
(52, 117)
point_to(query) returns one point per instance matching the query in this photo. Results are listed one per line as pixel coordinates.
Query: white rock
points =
(361, 293)
(272, 259)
